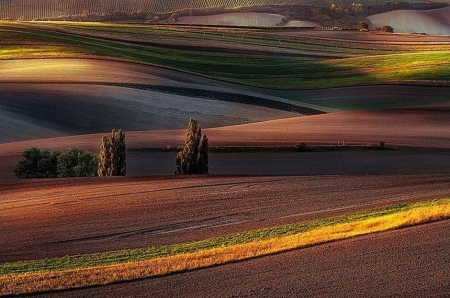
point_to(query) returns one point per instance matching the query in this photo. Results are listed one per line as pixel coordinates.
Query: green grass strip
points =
(135, 255)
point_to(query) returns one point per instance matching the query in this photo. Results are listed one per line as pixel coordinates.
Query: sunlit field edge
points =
(110, 267)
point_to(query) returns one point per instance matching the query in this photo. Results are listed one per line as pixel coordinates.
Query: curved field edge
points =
(235, 65)
(111, 267)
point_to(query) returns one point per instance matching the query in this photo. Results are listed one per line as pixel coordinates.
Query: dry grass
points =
(101, 275)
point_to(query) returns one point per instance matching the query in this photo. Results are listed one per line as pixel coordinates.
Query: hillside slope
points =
(436, 21)
(41, 9)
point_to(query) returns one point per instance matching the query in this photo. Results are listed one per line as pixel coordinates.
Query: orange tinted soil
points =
(45, 218)
(412, 262)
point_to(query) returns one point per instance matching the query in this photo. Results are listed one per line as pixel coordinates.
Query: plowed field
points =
(412, 262)
(66, 217)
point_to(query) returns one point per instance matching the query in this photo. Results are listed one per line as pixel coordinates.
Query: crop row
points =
(41, 9)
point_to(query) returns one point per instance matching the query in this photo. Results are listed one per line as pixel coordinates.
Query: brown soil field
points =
(423, 127)
(412, 262)
(233, 19)
(242, 19)
(47, 218)
(435, 21)
(412, 127)
(34, 111)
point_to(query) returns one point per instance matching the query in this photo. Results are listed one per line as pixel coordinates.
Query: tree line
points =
(111, 161)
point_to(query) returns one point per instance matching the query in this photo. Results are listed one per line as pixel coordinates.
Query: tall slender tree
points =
(105, 158)
(112, 155)
(119, 164)
(203, 159)
(193, 159)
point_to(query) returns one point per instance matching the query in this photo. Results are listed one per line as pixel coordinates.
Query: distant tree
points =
(363, 25)
(203, 159)
(387, 29)
(38, 164)
(112, 157)
(301, 147)
(193, 159)
(105, 157)
(77, 163)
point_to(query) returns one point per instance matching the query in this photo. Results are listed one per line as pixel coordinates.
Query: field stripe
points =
(339, 228)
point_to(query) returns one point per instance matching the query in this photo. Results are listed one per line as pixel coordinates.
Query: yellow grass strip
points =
(101, 275)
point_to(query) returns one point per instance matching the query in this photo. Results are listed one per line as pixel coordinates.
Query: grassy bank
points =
(104, 268)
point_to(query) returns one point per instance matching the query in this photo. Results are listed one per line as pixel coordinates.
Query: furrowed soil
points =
(412, 262)
(50, 218)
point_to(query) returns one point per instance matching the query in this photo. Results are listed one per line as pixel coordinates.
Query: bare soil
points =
(435, 21)
(421, 127)
(49, 218)
(233, 19)
(34, 111)
(412, 262)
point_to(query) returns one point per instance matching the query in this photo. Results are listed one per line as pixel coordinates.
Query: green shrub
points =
(77, 163)
(46, 164)
(38, 164)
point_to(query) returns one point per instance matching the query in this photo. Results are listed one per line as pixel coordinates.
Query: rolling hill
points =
(41, 9)
(435, 21)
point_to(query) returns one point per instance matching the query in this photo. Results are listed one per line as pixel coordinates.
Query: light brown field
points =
(435, 21)
(233, 19)
(242, 19)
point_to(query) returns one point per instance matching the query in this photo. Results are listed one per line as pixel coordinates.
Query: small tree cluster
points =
(193, 159)
(387, 29)
(112, 157)
(363, 25)
(46, 164)
(77, 163)
(302, 147)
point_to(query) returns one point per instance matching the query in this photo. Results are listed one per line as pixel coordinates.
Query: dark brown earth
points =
(412, 262)
(419, 127)
(49, 218)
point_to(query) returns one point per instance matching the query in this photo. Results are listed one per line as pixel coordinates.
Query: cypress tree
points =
(203, 158)
(104, 164)
(112, 155)
(193, 159)
(119, 162)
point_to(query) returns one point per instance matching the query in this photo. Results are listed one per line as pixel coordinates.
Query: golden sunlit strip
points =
(102, 275)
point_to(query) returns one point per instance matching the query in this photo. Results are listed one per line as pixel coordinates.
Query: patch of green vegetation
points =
(277, 64)
(132, 255)
(35, 51)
